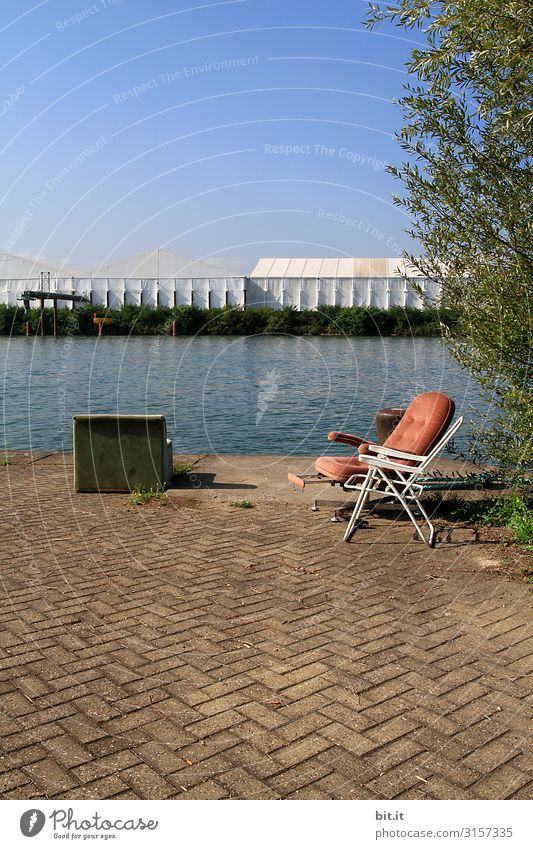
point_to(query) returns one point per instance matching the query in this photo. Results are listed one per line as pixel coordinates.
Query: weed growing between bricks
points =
(180, 470)
(140, 495)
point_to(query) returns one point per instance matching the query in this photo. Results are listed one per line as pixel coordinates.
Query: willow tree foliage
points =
(467, 181)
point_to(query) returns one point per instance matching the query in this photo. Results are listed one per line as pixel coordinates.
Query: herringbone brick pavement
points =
(197, 650)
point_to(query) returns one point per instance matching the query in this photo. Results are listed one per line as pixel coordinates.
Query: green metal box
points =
(117, 453)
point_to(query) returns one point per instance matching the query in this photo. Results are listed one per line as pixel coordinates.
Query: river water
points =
(245, 395)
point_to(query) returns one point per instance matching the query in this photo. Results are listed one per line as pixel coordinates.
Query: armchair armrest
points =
(392, 452)
(383, 463)
(347, 438)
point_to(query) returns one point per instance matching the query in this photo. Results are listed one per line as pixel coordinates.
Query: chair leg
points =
(431, 539)
(344, 505)
(359, 504)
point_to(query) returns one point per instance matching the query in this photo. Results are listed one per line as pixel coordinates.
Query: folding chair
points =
(391, 470)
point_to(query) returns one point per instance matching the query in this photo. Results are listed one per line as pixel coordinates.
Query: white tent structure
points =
(159, 264)
(162, 278)
(156, 277)
(309, 283)
(18, 273)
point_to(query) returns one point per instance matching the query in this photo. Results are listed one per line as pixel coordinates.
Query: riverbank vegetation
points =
(233, 321)
(466, 188)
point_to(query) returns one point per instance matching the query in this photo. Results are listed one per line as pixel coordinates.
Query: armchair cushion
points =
(339, 469)
(426, 419)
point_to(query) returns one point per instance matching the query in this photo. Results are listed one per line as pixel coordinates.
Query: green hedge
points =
(234, 321)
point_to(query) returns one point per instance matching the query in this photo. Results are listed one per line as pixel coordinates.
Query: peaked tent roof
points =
(159, 264)
(335, 267)
(13, 267)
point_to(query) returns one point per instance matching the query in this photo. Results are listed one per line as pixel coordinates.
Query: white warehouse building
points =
(311, 283)
(162, 278)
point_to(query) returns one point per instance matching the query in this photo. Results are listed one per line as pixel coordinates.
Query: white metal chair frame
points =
(402, 484)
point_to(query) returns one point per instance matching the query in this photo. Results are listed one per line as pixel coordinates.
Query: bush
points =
(233, 321)
(12, 320)
(465, 185)
(282, 321)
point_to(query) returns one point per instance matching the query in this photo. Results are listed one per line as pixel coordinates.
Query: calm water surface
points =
(273, 394)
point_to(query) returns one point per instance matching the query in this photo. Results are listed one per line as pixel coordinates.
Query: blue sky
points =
(225, 131)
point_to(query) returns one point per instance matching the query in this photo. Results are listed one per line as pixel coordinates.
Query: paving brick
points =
(339, 785)
(196, 773)
(305, 706)
(49, 776)
(439, 788)
(178, 712)
(293, 731)
(353, 719)
(168, 733)
(390, 730)
(256, 762)
(81, 729)
(13, 742)
(393, 753)
(242, 785)
(159, 758)
(264, 714)
(387, 709)
(104, 788)
(206, 790)
(67, 751)
(263, 739)
(398, 780)
(206, 727)
(450, 770)
(525, 792)
(300, 776)
(30, 791)
(105, 765)
(96, 708)
(348, 739)
(146, 783)
(490, 756)
(12, 779)
(134, 720)
(503, 783)
(15, 704)
(222, 741)
(313, 792)
(223, 703)
(301, 750)
(21, 757)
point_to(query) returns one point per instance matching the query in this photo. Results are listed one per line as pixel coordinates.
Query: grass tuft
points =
(140, 495)
(181, 469)
(244, 505)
